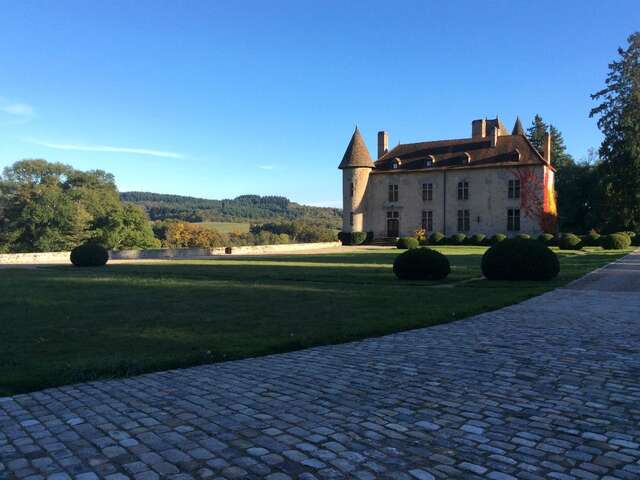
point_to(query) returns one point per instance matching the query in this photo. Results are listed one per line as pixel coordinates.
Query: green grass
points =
(62, 325)
(226, 227)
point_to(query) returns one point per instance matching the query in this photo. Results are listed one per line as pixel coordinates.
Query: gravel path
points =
(546, 389)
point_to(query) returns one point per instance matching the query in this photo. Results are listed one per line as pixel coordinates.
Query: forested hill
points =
(245, 208)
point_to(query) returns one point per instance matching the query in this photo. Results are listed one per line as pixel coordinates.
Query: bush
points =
(616, 241)
(591, 239)
(546, 238)
(497, 238)
(369, 238)
(421, 264)
(436, 238)
(407, 243)
(523, 236)
(89, 255)
(516, 259)
(457, 239)
(477, 239)
(569, 241)
(352, 238)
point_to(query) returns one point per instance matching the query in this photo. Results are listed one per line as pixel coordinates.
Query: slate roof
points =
(510, 150)
(357, 154)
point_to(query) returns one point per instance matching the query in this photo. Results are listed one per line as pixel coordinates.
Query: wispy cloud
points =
(106, 149)
(266, 167)
(12, 113)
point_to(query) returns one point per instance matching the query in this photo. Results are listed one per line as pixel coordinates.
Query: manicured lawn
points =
(61, 325)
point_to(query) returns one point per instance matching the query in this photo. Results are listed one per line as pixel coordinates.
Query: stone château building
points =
(492, 182)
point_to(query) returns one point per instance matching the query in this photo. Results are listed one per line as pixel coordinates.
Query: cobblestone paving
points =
(547, 389)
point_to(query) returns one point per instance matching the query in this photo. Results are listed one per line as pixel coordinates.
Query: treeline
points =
(602, 191)
(179, 234)
(245, 208)
(52, 207)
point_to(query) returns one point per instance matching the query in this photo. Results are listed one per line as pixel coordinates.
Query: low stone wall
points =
(165, 253)
(34, 258)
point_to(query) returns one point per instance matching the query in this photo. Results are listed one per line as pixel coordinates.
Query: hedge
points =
(517, 259)
(407, 242)
(352, 238)
(421, 264)
(89, 255)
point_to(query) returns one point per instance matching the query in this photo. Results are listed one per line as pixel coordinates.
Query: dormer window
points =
(466, 159)
(396, 163)
(518, 155)
(429, 161)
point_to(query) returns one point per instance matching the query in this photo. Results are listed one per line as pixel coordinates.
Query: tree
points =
(536, 134)
(50, 206)
(619, 120)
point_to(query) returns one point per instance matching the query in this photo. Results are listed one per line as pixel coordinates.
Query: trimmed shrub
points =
(407, 243)
(546, 238)
(369, 238)
(569, 241)
(497, 238)
(616, 241)
(591, 239)
(523, 236)
(352, 238)
(421, 264)
(89, 255)
(457, 239)
(477, 239)
(436, 238)
(516, 259)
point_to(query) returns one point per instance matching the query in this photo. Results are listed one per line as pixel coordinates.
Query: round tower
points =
(356, 165)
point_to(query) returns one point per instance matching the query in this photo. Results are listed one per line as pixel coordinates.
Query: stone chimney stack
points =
(479, 128)
(383, 143)
(494, 136)
(547, 148)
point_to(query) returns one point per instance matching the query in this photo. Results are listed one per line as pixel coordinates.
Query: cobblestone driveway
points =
(549, 388)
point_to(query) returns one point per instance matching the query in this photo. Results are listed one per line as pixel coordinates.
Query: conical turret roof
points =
(357, 154)
(517, 128)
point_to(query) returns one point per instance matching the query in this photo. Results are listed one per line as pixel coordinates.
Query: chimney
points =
(479, 128)
(547, 148)
(383, 143)
(494, 136)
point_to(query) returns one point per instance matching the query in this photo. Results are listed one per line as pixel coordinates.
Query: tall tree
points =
(619, 120)
(50, 206)
(536, 134)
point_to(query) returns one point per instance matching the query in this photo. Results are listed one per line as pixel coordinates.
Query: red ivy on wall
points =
(535, 202)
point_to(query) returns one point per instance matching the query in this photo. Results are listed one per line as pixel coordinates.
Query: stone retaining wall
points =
(166, 253)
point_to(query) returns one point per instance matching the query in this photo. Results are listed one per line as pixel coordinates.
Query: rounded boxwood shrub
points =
(477, 239)
(523, 236)
(546, 238)
(436, 238)
(497, 238)
(517, 259)
(407, 242)
(457, 239)
(591, 239)
(569, 241)
(421, 264)
(89, 255)
(616, 241)
(352, 238)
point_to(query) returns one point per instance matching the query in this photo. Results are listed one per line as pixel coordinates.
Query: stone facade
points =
(468, 185)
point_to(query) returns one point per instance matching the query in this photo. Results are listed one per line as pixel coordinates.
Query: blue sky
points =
(221, 98)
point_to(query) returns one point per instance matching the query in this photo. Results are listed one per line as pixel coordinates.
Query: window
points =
(351, 219)
(351, 186)
(463, 190)
(427, 192)
(514, 188)
(427, 220)
(513, 220)
(463, 221)
(393, 193)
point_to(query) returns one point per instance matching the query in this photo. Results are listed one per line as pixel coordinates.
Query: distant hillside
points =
(245, 208)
